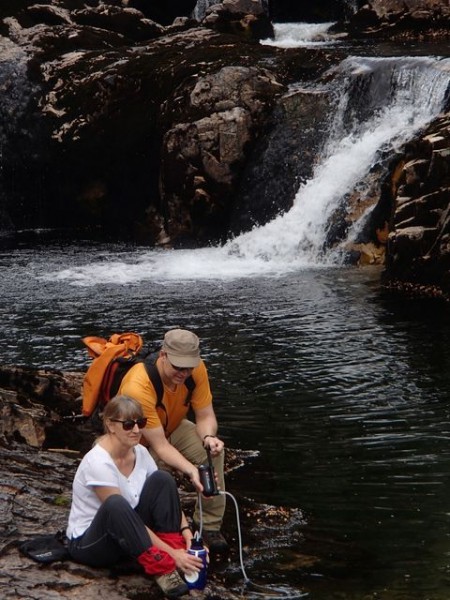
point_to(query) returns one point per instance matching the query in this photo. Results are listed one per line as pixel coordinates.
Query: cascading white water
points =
(381, 103)
(296, 35)
(398, 97)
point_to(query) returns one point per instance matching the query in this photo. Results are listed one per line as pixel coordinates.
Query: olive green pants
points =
(186, 440)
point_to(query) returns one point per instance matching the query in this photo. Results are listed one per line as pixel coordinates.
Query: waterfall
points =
(296, 35)
(380, 103)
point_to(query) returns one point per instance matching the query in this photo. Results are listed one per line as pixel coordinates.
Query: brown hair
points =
(123, 408)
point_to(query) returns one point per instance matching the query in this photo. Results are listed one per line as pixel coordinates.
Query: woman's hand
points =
(186, 562)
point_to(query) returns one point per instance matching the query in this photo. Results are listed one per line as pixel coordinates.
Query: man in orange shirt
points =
(173, 439)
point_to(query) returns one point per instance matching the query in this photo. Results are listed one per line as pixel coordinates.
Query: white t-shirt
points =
(98, 469)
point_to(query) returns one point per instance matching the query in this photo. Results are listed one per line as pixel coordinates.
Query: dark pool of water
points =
(343, 392)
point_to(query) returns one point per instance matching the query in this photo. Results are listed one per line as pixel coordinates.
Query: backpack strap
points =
(190, 384)
(156, 380)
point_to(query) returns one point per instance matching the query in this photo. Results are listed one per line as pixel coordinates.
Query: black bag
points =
(46, 548)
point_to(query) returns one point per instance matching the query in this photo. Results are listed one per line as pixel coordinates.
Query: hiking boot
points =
(215, 541)
(172, 585)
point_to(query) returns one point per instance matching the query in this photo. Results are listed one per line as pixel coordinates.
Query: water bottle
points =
(197, 579)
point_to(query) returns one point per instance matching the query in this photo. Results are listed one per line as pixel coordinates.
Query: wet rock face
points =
(382, 7)
(163, 12)
(207, 153)
(419, 238)
(247, 18)
(408, 230)
(398, 19)
(90, 94)
(283, 160)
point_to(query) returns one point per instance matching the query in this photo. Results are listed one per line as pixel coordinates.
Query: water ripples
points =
(341, 397)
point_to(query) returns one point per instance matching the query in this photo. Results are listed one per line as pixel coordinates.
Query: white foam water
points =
(298, 35)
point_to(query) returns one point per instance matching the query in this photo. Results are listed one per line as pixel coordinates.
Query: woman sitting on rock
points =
(123, 506)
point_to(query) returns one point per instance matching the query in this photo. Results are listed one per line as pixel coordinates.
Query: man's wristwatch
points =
(208, 435)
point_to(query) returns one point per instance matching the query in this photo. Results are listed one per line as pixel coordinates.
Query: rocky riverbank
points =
(41, 443)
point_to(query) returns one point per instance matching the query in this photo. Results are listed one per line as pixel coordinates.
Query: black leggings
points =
(118, 531)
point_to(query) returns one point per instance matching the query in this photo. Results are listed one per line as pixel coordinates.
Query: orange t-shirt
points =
(137, 385)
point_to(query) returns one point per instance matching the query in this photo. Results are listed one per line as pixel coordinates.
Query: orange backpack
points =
(113, 358)
(100, 381)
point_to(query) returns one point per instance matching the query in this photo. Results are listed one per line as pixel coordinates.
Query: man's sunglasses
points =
(129, 424)
(180, 368)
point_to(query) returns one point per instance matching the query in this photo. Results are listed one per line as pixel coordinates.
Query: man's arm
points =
(170, 455)
(206, 425)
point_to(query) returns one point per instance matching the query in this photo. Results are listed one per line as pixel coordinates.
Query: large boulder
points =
(202, 158)
(401, 19)
(163, 12)
(408, 230)
(418, 252)
(383, 7)
(248, 18)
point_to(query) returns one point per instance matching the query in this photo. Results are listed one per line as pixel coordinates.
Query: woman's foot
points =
(171, 584)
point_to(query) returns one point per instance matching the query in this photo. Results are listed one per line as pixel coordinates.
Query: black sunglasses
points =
(129, 424)
(179, 368)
